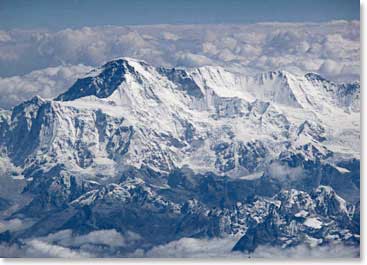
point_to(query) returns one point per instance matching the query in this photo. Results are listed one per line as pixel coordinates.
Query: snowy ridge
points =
(193, 107)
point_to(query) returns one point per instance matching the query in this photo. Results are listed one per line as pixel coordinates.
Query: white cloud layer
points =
(221, 248)
(64, 245)
(265, 45)
(10, 225)
(332, 49)
(46, 83)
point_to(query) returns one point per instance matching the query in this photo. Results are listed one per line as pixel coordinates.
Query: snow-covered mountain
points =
(175, 144)
(295, 217)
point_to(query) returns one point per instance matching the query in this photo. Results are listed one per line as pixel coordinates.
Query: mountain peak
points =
(32, 103)
(103, 81)
(119, 62)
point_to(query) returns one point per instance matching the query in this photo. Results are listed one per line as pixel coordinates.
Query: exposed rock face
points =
(299, 218)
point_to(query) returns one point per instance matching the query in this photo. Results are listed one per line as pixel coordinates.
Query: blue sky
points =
(78, 13)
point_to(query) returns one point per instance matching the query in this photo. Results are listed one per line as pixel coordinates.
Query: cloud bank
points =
(221, 248)
(65, 244)
(110, 243)
(331, 47)
(46, 83)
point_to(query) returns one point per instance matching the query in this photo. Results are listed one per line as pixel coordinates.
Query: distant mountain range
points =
(170, 153)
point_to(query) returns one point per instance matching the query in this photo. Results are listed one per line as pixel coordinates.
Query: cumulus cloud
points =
(330, 67)
(46, 83)
(192, 60)
(105, 237)
(65, 244)
(4, 36)
(39, 249)
(11, 225)
(170, 36)
(284, 172)
(331, 48)
(110, 238)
